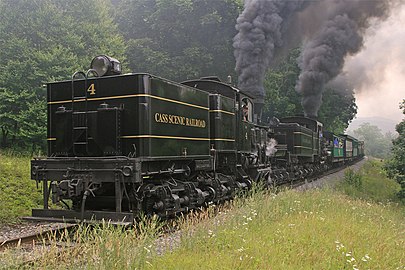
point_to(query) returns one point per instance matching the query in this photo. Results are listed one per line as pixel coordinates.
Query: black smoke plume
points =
(322, 58)
(260, 32)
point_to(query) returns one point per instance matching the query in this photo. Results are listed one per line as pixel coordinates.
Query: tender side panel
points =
(135, 115)
(175, 121)
(98, 112)
(304, 143)
(299, 140)
(223, 123)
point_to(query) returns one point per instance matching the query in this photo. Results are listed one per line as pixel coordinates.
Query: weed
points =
(353, 179)
(370, 183)
(18, 193)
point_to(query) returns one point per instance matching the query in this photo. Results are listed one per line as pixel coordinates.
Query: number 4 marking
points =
(91, 89)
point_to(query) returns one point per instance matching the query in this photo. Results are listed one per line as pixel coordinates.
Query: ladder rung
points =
(76, 98)
(79, 112)
(80, 143)
(80, 128)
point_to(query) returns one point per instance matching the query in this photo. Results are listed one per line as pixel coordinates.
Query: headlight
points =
(105, 65)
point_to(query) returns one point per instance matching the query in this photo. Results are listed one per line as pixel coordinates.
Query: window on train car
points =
(247, 110)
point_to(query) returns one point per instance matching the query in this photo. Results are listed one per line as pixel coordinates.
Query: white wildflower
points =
(241, 249)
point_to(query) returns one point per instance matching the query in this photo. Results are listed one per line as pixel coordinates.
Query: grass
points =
(18, 194)
(370, 183)
(311, 230)
(316, 229)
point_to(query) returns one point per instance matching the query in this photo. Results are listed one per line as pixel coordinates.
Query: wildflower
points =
(351, 259)
(211, 233)
(365, 258)
(241, 249)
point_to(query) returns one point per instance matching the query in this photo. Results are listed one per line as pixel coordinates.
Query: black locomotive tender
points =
(119, 145)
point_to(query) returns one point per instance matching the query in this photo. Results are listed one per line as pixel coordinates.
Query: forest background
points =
(48, 40)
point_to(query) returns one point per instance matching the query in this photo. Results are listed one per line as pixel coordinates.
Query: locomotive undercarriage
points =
(121, 188)
(283, 172)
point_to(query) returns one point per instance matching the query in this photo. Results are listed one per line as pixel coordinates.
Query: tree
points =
(395, 166)
(337, 110)
(281, 98)
(179, 39)
(376, 143)
(42, 41)
(338, 107)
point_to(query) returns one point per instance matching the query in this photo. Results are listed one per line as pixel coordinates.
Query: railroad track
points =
(36, 236)
(170, 239)
(39, 236)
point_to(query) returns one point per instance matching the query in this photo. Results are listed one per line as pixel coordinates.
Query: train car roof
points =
(300, 119)
(107, 77)
(349, 137)
(326, 133)
(215, 86)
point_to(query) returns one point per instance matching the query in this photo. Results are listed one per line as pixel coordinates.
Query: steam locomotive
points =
(123, 144)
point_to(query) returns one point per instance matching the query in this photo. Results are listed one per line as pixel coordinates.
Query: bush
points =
(370, 183)
(353, 179)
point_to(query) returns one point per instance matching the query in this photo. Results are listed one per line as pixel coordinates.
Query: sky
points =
(378, 70)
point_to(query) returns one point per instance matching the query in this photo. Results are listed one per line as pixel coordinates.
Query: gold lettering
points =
(179, 120)
(91, 89)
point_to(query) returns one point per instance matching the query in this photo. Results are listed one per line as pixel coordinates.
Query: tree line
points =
(48, 40)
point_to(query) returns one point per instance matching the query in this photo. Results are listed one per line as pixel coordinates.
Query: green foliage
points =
(337, 110)
(282, 232)
(18, 194)
(44, 41)
(96, 246)
(338, 105)
(376, 143)
(353, 179)
(355, 234)
(180, 39)
(395, 166)
(48, 40)
(281, 98)
(370, 183)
